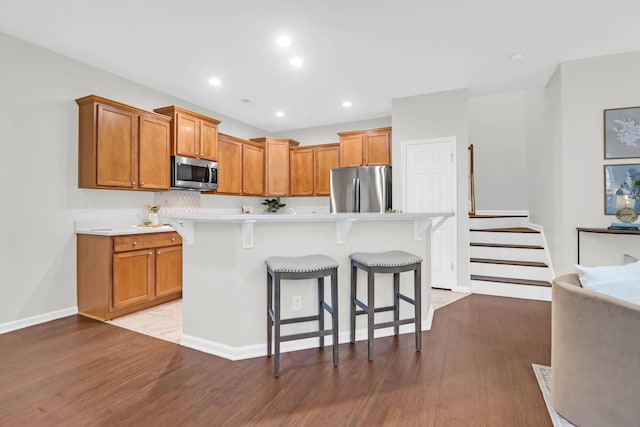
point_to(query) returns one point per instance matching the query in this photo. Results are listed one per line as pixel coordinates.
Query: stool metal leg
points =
(396, 302)
(269, 313)
(276, 362)
(334, 314)
(354, 281)
(370, 313)
(418, 305)
(321, 309)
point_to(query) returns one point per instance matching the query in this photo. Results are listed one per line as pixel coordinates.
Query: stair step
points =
(507, 230)
(502, 245)
(509, 262)
(543, 283)
(497, 216)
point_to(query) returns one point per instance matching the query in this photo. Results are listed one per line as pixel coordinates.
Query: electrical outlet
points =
(296, 303)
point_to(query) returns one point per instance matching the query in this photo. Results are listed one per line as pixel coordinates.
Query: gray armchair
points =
(595, 356)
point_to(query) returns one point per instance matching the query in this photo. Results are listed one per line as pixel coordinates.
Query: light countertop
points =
(119, 230)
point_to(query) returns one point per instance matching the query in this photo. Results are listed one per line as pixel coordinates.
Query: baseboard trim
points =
(539, 293)
(505, 212)
(14, 325)
(260, 350)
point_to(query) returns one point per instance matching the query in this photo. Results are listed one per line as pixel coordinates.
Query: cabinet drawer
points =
(145, 241)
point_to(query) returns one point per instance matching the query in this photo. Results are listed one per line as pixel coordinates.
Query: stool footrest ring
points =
(394, 323)
(303, 335)
(299, 319)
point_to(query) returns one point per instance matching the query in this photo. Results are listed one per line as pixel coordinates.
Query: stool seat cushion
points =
(300, 264)
(385, 259)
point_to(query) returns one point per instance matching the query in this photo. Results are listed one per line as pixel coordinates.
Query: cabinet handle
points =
(133, 183)
(141, 184)
(135, 243)
(158, 252)
(150, 253)
(173, 239)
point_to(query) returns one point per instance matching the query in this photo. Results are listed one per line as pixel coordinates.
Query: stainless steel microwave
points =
(193, 174)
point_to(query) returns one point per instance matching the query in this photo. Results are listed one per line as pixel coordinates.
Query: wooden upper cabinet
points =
(365, 148)
(276, 166)
(302, 165)
(121, 147)
(153, 153)
(240, 166)
(186, 135)
(252, 169)
(351, 153)
(229, 165)
(327, 157)
(377, 148)
(192, 134)
(116, 147)
(208, 140)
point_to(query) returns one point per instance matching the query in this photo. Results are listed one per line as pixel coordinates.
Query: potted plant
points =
(273, 205)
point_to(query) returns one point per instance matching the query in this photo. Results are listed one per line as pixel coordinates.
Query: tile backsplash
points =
(177, 201)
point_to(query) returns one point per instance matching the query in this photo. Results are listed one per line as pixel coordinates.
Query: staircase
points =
(509, 257)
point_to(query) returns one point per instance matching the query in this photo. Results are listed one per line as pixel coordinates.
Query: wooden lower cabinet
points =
(118, 275)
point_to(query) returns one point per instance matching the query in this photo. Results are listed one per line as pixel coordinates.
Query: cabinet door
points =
(116, 151)
(301, 172)
(133, 278)
(327, 158)
(351, 151)
(377, 149)
(187, 134)
(154, 146)
(252, 170)
(229, 167)
(277, 164)
(208, 141)
(168, 270)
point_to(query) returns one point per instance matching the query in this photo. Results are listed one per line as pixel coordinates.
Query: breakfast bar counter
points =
(224, 275)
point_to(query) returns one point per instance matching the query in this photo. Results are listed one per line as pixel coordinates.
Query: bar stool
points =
(394, 262)
(297, 268)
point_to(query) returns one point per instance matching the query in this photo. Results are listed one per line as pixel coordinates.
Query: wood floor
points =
(474, 370)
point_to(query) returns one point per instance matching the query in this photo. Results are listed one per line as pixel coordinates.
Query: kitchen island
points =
(224, 279)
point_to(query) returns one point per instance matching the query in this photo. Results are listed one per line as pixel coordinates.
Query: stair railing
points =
(472, 189)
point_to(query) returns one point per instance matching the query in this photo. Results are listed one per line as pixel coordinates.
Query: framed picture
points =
(620, 189)
(622, 133)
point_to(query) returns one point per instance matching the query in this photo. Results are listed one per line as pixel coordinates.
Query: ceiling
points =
(367, 51)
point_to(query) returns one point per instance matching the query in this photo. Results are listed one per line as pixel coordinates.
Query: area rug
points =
(543, 375)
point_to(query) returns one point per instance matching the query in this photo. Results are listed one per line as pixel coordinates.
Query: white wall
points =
(431, 116)
(497, 130)
(587, 88)
(41, 199)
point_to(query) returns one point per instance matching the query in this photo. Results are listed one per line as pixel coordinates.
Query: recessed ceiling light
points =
(346, 104)
(517, 56)
(296, 62)
(245, 100)
(283, 41)
(279, 113)
(214, 81)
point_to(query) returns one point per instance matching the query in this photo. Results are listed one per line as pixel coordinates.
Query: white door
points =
(430, 186)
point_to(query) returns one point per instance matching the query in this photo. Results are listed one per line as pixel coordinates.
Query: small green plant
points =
(273, 204)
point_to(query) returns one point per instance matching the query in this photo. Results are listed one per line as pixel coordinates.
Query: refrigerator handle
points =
(356, 194)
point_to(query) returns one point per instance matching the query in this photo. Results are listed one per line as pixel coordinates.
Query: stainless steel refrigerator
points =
(361, 189)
